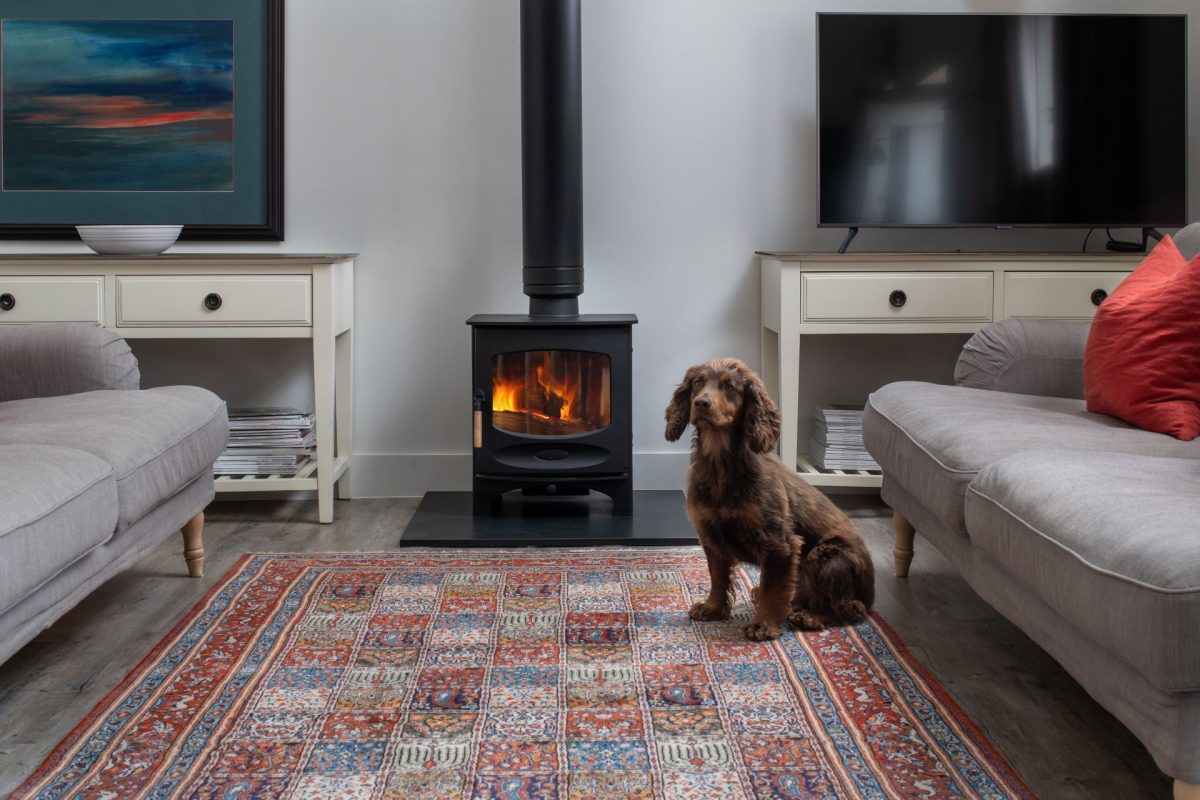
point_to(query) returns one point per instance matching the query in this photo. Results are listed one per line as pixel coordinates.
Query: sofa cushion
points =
(56, 504)
(1110, 543)
(934, 439)
(1144, 345)
(157, 440)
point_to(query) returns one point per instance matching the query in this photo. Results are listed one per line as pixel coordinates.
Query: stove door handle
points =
(477, 419)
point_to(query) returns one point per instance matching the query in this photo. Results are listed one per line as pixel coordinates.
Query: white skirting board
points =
(414, 474)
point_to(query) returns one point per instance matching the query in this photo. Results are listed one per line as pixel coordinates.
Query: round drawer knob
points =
(898, 298)
(7, 302)
(212, 301)
(1098, 296)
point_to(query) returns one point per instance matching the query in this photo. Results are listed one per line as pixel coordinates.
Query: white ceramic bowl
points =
(129, 240)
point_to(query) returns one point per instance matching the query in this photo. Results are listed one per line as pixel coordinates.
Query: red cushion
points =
(1142, 362)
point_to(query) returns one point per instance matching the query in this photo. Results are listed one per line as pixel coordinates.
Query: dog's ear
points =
(679, 410)
(760, 416)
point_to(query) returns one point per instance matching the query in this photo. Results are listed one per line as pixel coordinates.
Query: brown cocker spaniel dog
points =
(748, 507)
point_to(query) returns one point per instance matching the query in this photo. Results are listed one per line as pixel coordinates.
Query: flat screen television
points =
(999, 120)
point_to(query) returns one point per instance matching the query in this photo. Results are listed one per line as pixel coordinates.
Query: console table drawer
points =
(49, 298)
(216, 300)
(897, 297)
(1064, 295)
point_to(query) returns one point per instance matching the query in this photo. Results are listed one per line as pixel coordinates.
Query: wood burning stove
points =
(552, 405)
(552, 389)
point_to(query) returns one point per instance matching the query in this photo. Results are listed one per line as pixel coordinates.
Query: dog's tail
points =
(846, 584)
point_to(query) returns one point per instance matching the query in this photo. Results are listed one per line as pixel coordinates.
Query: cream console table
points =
(814, 294)
(243, 296)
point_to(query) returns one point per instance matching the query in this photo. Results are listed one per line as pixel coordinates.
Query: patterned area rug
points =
(513, 674)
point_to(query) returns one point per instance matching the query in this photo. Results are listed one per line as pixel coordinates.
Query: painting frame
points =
(265, 220)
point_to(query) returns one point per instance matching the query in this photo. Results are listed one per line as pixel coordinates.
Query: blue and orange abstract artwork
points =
(117, 105)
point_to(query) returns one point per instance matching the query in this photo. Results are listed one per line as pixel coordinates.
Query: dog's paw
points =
(703, 612)
(806, 620)
(761, 631)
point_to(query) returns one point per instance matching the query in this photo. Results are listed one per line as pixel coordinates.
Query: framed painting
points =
(141, 112)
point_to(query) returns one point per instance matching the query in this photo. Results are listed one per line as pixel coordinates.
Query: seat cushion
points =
(56, 504)
(157, 440)
(1112, 544)
(933, 440)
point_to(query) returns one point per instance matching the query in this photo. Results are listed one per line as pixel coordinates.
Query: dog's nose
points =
(702, 402)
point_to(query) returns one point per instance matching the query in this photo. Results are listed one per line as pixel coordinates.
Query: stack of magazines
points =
(837, 441)
(267, 441)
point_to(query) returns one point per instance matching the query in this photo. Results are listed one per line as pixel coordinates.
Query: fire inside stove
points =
(551, 392)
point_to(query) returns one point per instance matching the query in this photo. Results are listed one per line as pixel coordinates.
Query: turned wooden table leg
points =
(902, 553)
(1187, 791)
(193, 545)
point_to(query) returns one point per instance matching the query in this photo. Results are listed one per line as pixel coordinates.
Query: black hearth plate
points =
(444, 519)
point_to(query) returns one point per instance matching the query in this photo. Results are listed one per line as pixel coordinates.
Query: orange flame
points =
(508, 394)
(504, 396)
(563, 391)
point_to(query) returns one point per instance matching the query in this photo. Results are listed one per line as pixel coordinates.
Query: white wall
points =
(403, 143)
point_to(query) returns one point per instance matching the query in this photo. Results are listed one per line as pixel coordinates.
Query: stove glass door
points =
(551, 392)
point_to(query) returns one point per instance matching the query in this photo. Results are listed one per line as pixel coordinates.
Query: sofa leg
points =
(902, 553)
(1187, 791)
(193, 545)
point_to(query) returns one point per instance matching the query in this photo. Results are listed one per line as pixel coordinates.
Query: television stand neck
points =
(850, 234)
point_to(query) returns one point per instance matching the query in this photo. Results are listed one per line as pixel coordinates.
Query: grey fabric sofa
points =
(1081, 529)
(93, 471)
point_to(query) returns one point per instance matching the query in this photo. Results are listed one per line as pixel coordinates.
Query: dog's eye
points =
(729, 387)
(698, 382)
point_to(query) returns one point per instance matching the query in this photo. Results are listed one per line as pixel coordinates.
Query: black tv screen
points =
(1002, 120)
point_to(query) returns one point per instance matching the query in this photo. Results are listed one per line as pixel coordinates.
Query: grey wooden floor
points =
(1063, 744)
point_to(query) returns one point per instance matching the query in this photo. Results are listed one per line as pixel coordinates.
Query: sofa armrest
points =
(52, 359)
(1026, 356)
(1188, 241)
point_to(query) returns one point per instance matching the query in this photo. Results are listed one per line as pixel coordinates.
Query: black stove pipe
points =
(552, 155)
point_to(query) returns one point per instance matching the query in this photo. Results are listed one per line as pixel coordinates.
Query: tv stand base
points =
(1136, 247)
(850, 234)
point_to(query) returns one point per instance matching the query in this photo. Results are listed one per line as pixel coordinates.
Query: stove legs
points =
(486, 504)
(622, 497)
